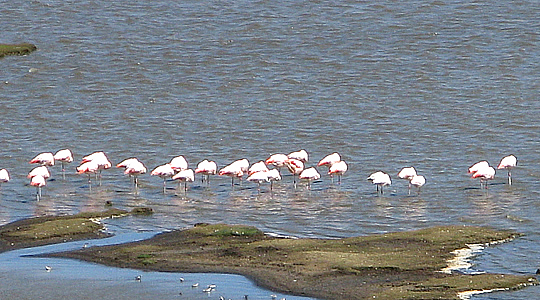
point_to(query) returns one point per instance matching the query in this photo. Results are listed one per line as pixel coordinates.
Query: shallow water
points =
(437, 85)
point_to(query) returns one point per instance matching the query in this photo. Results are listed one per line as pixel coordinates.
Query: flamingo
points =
(44, 159)
(301, 155)
(484, 173)
(329, 160)
(295, 166)
(309, 174)
(339, 168)
(178, 163)
(207, 168)
(4, 176)
(277, 160)
(380, 179)
(64, 156)
(100, 159)
(185, 176)
(235, 169)
(257, 167)
(164, 171)
(89, 167)
(477, 166)
(39, 171)
(508, 162)
(407, 173)
(273, 175)
(259, 177)
(133, 168)
(418, 181)
(38, 181)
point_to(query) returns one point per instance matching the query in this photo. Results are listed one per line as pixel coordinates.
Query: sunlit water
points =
(438, 85)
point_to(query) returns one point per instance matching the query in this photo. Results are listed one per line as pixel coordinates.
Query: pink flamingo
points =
(44, 159)
(207, 168)
(273, 175)
(185, 176)
(508, 163)
(295, 166)
(407, 173)
(178, 163)
(301, 155)
(257, 167)
(64, 156)
(338, 168)
(380, 179)
(89, 167)
(417, 181)
(235, 169)
(259, 177)
(484, 173)
(133, 168)
(329, 160)
(309, 174)
(4, 176)
(100, 159)
(277, 160)
(164, 171)
(38, 181)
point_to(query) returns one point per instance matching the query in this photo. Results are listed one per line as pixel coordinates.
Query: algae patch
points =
(401, 265)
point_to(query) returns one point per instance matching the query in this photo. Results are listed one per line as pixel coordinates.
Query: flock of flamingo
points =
(177, 169)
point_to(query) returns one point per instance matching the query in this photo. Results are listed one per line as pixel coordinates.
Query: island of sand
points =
(401, 265)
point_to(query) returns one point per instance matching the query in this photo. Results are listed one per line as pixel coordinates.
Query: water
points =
(437, 85)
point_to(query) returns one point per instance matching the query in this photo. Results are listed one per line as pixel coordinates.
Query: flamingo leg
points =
(509, 177)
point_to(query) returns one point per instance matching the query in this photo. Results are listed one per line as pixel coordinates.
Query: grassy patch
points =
(16, 49)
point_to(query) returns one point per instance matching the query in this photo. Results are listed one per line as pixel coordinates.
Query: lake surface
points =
(437, 85)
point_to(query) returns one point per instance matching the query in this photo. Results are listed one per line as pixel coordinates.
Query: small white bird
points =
(380, 179)
(48, 268)
(508, 162)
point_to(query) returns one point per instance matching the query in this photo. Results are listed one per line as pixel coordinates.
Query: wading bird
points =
(508, 163)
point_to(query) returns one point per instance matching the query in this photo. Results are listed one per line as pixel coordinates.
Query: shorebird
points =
(309, 174)
(4, 176)
(338, 168)
(64, 156)
(477, 166)
(39, 171)
(508, 163)
(207, 168)
(380, 179)
(185, 176)
(44, 159)
(407, 173)
(164, 171)
(301, 155)
(89, 168)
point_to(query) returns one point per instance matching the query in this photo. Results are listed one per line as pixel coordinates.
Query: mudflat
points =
(400, 265)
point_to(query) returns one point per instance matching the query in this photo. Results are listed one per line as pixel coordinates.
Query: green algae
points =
(16, 49)
(401, 265)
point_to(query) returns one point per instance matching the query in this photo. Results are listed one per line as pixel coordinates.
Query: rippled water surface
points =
(438, 85)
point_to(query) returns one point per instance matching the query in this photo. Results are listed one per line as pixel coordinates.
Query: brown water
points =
(438, 85)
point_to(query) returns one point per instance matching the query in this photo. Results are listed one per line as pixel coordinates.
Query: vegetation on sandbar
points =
(16, 49)
(401, 265)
